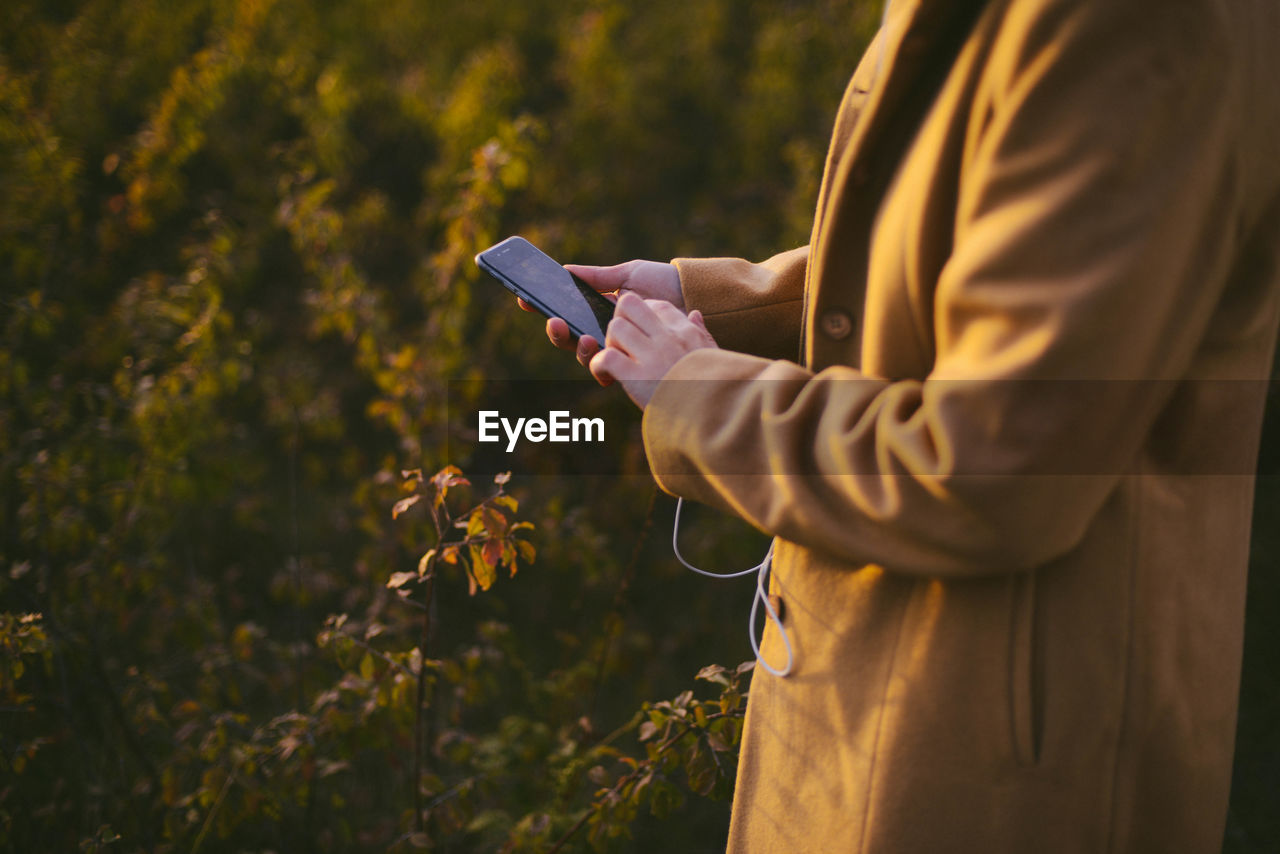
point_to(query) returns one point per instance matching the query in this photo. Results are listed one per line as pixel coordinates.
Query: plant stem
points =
(419, 721)
(419, 724)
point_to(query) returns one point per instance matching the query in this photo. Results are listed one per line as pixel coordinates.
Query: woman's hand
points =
(652, 280)
(644, 341)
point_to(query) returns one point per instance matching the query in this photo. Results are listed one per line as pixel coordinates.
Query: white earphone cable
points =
(761, 571)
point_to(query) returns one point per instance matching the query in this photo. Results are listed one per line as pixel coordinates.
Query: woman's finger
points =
(609, 365)
(624, 335)
(587, 347)
(603, 279)
(640, 313)
(559, 333)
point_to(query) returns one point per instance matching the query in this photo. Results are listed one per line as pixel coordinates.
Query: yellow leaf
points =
(400, 579)
(404, 504)
(447, 477)
(424, 563)
(526, 550)
(471, 582)
(482, 572)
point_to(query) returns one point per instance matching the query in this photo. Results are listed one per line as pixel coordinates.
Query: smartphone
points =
(535, 277)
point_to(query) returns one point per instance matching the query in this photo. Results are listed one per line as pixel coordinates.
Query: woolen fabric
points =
(1002, 415)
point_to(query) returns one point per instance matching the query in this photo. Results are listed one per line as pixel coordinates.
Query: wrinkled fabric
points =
(1002, 415)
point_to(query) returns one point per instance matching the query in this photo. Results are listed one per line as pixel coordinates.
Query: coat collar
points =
(918, 43)
(919, 38)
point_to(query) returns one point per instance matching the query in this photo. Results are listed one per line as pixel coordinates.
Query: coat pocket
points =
(1024, 676)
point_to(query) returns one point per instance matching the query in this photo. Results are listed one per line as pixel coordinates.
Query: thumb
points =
(696, 318)
(603, 279)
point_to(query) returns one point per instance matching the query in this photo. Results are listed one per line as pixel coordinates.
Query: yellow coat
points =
(1010, 475)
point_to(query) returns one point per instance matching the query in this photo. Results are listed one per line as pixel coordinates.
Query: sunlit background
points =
(236, 276)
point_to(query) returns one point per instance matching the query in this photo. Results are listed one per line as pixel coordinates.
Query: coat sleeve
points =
(750, 308)
(1094, 231)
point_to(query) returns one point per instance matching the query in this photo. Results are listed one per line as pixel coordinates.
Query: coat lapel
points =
(919, 41)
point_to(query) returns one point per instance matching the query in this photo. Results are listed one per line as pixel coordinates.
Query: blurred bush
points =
(235, 270)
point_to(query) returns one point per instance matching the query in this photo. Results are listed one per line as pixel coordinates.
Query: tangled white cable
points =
(762, 573)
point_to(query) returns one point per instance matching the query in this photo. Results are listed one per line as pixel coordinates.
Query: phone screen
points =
(532, 274)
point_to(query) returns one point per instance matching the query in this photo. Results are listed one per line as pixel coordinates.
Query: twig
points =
(213, 811)
(419, 723)
(377, 653)
(441, 519)
(646, 766)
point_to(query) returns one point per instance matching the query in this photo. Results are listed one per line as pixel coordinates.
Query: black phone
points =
(535, 277)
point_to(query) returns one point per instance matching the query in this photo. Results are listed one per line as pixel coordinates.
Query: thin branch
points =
(419, 723)
(213, 811)
(642, 768)
(377, 653)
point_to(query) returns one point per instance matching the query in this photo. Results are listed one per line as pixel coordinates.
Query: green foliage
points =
(22, 638)
(236, 276)
(689, 745)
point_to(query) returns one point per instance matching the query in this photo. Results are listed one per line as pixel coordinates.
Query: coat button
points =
(836, 324)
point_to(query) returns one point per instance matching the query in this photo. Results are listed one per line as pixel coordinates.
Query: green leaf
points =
(701, 770)
(729, 701)
(489, 819)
